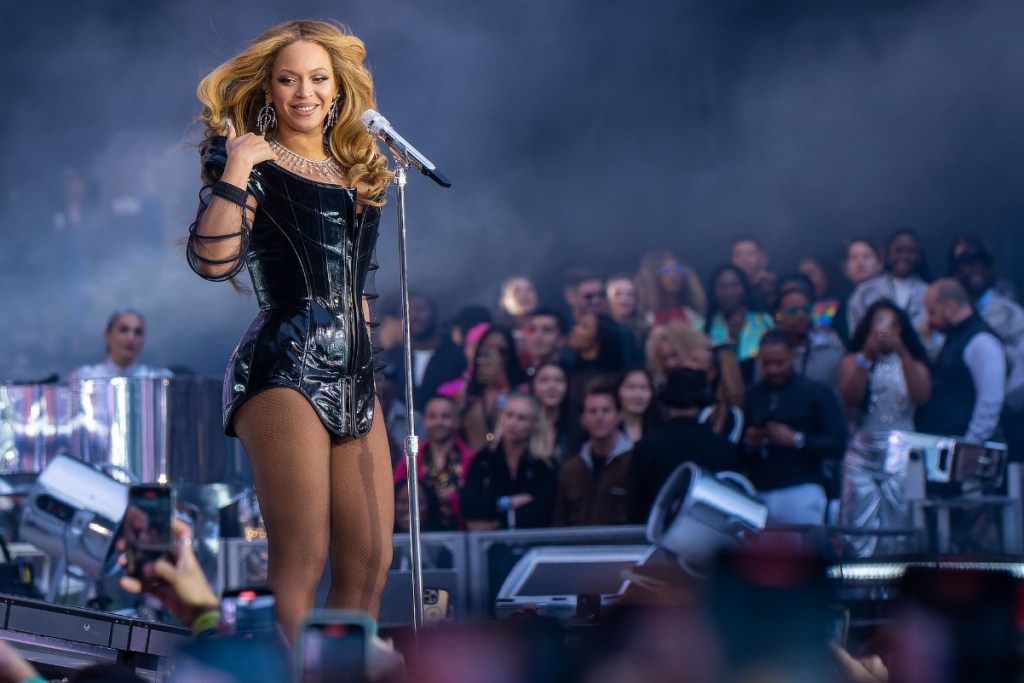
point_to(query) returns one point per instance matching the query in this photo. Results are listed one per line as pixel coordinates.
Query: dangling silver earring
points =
(267, 118)
(332, 114)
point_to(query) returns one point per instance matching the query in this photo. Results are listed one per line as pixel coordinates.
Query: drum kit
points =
(57, 440)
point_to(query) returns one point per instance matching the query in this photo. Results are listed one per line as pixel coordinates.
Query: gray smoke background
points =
(577, 132)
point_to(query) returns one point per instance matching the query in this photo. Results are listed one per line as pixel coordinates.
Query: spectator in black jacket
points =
(507, 486)
(682, 439)
(795, 427)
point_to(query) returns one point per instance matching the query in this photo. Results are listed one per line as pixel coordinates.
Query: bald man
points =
(969, 375)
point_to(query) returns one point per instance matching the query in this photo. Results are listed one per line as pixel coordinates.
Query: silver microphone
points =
(380, 128)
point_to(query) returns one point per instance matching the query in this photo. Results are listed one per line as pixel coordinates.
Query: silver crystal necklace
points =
(328, 168)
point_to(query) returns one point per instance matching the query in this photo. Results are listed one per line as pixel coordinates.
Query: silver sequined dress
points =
(872, 493)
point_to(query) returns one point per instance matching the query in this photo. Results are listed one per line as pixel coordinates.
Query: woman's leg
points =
(289, 449)
(362, 519)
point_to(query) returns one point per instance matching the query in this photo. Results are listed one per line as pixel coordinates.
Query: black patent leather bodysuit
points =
(308, 253)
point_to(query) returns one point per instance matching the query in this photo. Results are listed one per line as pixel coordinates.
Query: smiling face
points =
(301, 88)
(441, 420)
(904, 255)
(124, 339)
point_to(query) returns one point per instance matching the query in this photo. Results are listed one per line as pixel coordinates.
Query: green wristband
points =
(206, 621)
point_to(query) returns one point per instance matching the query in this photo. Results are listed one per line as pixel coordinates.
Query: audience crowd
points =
(574, 412)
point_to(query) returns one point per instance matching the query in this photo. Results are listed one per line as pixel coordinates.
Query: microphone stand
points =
(411, 442)
(405, 155)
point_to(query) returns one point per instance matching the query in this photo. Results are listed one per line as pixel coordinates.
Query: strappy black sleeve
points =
(215, 157)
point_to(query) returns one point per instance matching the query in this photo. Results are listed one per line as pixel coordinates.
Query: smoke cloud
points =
(577, 132)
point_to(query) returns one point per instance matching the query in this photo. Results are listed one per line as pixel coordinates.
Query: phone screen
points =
(248, 610)
(148, 525)
(333, 652)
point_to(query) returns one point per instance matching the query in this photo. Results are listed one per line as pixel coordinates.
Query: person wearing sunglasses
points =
(583, 292)
(818, 349)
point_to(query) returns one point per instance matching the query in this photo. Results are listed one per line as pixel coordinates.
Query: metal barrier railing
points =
(469, 554)
(482, 560)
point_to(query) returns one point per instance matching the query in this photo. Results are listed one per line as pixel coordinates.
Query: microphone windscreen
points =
(373, 121)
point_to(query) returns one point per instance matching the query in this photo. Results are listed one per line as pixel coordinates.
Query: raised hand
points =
(870, 349)
(247, 150)
(181, 586)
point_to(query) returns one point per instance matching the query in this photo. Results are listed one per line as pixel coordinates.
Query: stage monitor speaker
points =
(74, 512)
(552, 577)
(699, 513)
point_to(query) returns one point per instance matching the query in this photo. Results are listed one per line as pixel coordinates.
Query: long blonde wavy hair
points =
(237, 90)
(534, 446)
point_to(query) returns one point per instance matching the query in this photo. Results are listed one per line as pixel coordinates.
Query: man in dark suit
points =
(682, 439)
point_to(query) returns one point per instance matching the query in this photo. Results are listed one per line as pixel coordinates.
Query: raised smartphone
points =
(247, 610)
(148, 526)
(334, 646)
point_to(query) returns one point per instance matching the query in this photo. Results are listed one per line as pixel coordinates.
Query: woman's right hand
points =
(246, 151)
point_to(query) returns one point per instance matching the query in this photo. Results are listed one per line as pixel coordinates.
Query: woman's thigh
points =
(289, 449)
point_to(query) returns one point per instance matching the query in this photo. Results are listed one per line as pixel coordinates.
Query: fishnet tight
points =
(314, 490)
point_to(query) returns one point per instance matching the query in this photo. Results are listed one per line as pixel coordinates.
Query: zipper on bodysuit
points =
(356, 327)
